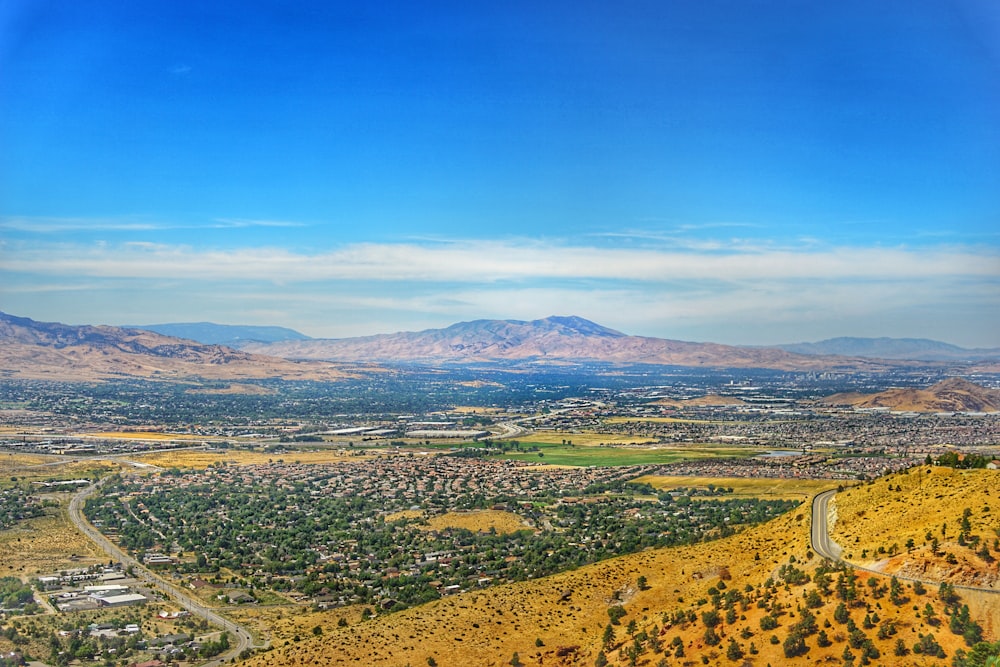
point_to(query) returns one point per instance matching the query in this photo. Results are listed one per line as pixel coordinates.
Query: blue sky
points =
(730, 171)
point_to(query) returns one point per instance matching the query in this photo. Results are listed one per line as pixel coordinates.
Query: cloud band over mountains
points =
(736, 293)
(488, 261)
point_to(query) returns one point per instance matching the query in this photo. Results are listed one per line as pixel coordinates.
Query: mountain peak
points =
(576, 325)
(555, 339)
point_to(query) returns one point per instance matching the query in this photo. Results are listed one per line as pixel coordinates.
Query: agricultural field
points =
(44, 467)
(11, 462)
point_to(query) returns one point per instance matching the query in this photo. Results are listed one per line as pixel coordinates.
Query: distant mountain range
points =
(916, 349)
(548, 340)
(952, 395)
(233, 335)
(60, 352)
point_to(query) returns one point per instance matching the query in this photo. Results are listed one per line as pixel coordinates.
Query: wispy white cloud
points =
(43, 288)
(57, 225)
(243, 223)
(491, 261)
(736, 295)
(54, 225)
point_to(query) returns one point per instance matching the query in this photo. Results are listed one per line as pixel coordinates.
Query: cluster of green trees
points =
(966, 461)
(16, 596)
(983, 654)
(327, 539)
(79, 645)
(17, 504)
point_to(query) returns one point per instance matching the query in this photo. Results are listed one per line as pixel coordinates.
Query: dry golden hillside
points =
(928, 505)
(562, 620)
(952, 395)
(54, 351)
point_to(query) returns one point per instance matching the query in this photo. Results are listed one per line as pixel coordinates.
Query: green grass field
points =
(558, 454)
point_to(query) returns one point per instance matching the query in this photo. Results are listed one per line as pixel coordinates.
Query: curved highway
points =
(820, 538)
(827, 548)
(244, 639)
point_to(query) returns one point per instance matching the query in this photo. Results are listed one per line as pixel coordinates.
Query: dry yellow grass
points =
(877, 515)
(202, 459)
(930, 501)
(41, 467)
(478, 522)
(283, 623)
(792, 489)
(47, 544)
(15, 461)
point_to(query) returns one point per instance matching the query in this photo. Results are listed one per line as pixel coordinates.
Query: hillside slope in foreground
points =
(673, 596)
(931, 522)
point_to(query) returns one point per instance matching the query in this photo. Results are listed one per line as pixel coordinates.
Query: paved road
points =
(827, 548)
(243, 638)
(513, 429)
(821, 542)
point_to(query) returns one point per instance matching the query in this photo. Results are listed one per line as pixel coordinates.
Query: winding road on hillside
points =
(821, 542)
(824, 546)
(244, 639)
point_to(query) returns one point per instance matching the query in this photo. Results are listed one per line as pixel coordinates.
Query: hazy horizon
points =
(743, 174)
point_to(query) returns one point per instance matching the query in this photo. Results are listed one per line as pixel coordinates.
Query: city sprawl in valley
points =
(285, 521)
